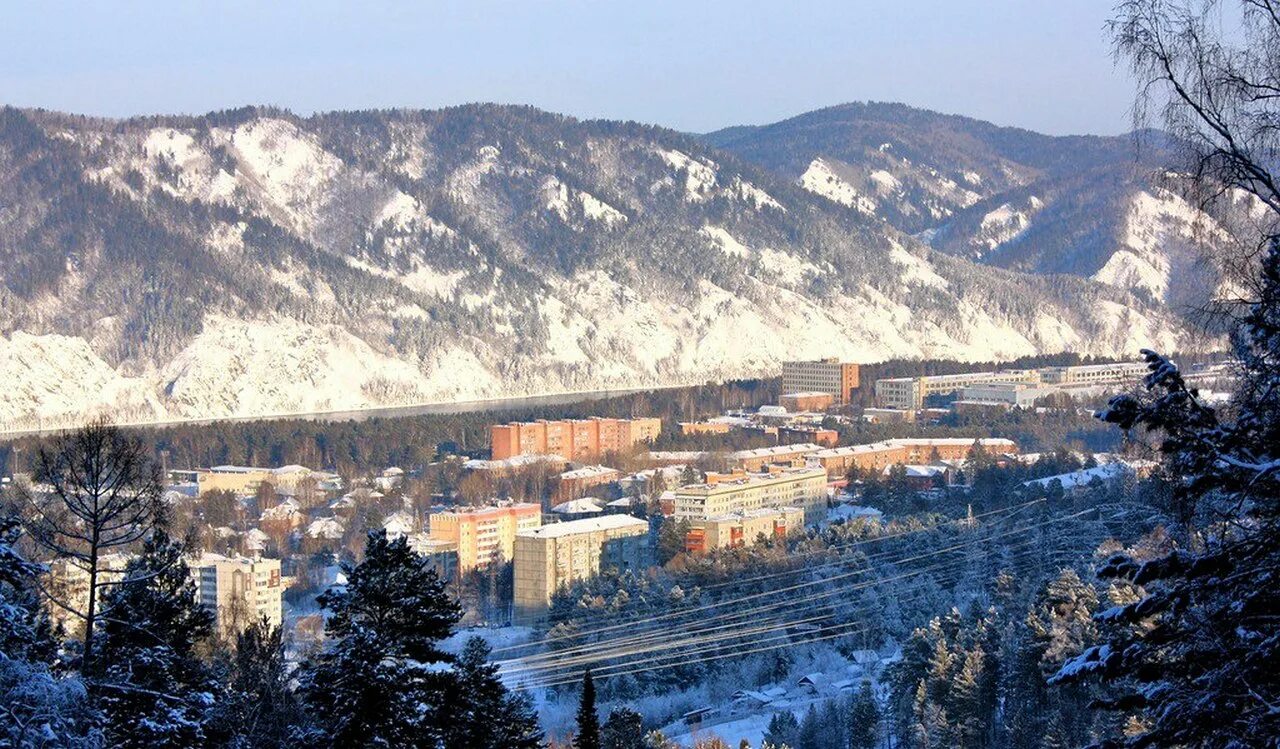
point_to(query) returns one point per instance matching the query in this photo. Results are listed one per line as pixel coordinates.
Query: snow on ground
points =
(726, 241)
(821, 180)
(1003, 224)
(288, 168)
(57, 380)
(754, 195)
(885, 182)
(1160, 232)
(916, 269)
(699, 174)
(564, 201)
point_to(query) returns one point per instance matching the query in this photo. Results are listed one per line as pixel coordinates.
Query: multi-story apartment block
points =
(572, 439)
(238, 590)
(484, 534)
(553, 556)
(740, 491)
(742, 528)
(877, 456)
(757, 459)
(912, 392)
(832, 376)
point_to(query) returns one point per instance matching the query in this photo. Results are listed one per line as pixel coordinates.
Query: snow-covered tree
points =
(262, 711)
(382, 679)
(864, 719)
(152, 686)
(39, 708)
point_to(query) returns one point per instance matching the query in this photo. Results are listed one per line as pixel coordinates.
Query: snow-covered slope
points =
(253, 262)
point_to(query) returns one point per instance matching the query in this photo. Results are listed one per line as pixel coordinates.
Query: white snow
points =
(885, 182)
(699, 174)
(821, 180)
(726, 242)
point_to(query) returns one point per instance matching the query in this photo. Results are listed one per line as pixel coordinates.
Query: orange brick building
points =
(801, 402)
(484, 534)
(572, 439)
(877, 456)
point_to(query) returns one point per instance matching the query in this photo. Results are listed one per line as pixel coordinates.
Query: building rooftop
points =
(587, 472)
(764, 452)
(588, 525)
(577, 507)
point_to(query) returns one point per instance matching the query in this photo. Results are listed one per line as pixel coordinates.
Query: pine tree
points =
(382, 680)
(783, 730)
(864, 719)
(623, 729)
(481, 713)
(153, 688)
(262, 710)
(588, 736)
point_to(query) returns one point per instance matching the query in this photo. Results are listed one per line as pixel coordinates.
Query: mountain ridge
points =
(254, 261)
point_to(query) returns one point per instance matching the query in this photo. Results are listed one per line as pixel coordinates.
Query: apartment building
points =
(757, 459)
(572, 484)
(484, 534)
(912, 392)
(238, 590)
(554, 556)
(740, 491)
(742, 528)
(572, 439)
(805, 434)
(832, 376)
(877, 456)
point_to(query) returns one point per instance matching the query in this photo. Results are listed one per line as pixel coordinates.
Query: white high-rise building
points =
(239, 590)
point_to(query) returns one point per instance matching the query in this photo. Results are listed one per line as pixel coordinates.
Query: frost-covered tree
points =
(864, 719)
(783, 729)
(382, 679)
(39, 707)
(1194, 656)
(151, 684)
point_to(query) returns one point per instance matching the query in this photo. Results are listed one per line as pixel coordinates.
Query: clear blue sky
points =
(1042, 64)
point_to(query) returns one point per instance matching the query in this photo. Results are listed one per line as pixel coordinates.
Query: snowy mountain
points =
(1095, 207)
(255, 262)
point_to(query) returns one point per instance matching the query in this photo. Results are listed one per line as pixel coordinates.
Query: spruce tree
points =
(152, 686)
(482, 713)
(382, 679)
(864, 719)
(588, 736)
(783, 729)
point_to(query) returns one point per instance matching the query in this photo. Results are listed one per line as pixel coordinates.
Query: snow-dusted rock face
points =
(253, 263)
